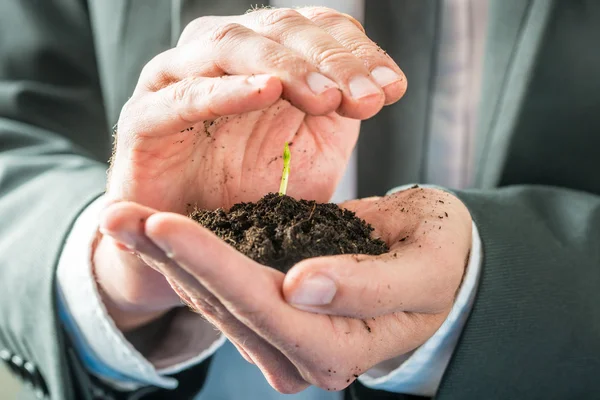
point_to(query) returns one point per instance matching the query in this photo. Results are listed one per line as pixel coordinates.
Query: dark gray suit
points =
(67, 67)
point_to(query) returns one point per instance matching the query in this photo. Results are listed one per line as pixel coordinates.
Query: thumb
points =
(368, 286)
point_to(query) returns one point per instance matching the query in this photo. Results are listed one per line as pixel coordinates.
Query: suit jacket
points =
(67, 67)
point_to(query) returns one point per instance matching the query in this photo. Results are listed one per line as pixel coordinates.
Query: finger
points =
(219, 267)
(178, 106)
(350, 34)
(407, 279)
(362, 96)
(124, 222)
(136, 274)
(226, 48)
(187, 300)
(277, 369)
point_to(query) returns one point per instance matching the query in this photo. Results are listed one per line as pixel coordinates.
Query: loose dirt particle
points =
(367, 327)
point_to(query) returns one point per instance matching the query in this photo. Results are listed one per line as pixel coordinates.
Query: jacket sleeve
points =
(52, 134)
(534, 330)
(54, 139)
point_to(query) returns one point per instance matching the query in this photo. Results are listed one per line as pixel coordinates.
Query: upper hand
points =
(208, 119)
(368, 308)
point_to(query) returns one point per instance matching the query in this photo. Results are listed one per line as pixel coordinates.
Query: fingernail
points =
(361, 86)
(316, 290)
(385, 76)
(319, 83)
(259, 81)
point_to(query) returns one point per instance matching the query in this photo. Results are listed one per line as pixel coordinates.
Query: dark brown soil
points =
(279, 231)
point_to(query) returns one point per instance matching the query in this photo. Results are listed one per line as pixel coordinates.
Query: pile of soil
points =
(279, 231)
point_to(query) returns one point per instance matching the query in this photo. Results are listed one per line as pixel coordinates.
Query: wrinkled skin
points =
(245, 85)
(208, 120)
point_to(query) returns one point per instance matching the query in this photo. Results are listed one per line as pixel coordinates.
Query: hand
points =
(369, 309)
(208, 119)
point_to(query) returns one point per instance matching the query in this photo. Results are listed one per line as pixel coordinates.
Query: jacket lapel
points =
(392, 144)
(516, 28)
(128, 34)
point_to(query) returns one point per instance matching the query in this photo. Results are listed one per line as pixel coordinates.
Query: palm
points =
(238, 158)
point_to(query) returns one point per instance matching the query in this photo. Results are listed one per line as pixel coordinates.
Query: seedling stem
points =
(286, 170)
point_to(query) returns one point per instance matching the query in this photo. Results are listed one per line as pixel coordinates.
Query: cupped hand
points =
(208, 119)
(330, 318)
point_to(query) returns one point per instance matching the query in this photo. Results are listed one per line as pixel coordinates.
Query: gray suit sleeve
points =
(534, 331)
(53, 138)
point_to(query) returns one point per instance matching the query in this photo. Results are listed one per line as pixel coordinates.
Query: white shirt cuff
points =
(422, 372)
(102, 346)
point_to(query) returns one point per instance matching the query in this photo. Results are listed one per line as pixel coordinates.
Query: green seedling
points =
(286, 170)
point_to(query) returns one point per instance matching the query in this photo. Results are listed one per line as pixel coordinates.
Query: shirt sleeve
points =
(421, 373)
(102, 347)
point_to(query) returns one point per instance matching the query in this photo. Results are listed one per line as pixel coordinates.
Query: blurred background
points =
(9, 386)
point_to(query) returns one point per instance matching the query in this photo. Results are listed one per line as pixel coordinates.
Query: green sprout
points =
(286, 170)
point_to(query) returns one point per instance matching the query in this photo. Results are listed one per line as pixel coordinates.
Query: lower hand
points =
(362, 309)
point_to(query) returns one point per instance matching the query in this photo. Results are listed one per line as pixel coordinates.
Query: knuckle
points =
(180, 99)
(181, 92)
(189, 31)
(287, 61)
(280, 16)
(149, 70)
(367, 50)
(322, 14)
(226, 32)
(355, 22)
(193, 29)
(154, 74)
(335, 56)
(330, 17)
